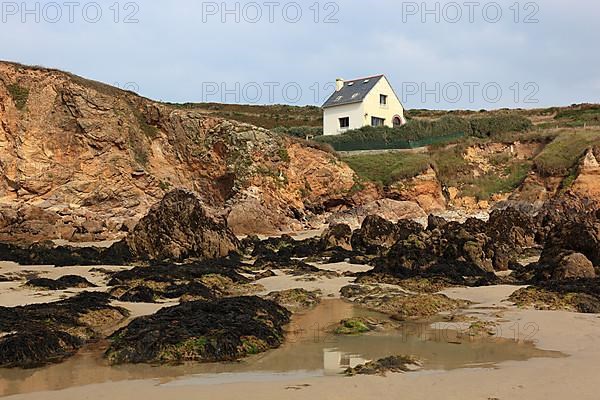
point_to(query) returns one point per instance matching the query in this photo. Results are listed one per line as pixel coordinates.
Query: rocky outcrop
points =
(96, 158)
(587, 183)
(178, 228)
(424, 189)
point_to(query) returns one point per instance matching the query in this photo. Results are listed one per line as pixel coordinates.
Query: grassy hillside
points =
(493, 171)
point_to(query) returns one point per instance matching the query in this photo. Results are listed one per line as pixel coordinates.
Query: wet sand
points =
(575, 335)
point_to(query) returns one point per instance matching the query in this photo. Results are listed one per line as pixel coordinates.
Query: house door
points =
(397, 121)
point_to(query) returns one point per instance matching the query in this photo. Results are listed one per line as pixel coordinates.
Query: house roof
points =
(354, 91)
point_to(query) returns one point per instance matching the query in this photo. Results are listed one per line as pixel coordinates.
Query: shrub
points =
(485, 127)
(419, 133)
(19, 95)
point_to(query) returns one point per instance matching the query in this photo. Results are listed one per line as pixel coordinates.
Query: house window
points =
(383, 99)
(377, 121)
(397, 121)
(344, 122)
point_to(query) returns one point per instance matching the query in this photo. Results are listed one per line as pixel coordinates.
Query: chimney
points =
(339, 84)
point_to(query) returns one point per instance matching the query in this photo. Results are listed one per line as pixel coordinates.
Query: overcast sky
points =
(436, 55)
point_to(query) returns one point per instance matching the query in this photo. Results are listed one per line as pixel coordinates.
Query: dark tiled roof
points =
(353, 91)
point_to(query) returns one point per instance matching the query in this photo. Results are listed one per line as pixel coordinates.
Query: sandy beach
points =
(572, 334)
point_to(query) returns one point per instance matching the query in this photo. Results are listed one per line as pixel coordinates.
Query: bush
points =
(493, 126)
(420, 133)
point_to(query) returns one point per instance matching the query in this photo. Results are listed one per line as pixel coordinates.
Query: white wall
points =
(332, 115)
(360, 113)
(373, 108)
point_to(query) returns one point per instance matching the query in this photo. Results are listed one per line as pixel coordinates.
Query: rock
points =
(587, 183)
(62, 283)
(337, 236)
(374, 234)
(295, 299)
(395, 364)
(579, 295)
(201, 331)
(424, 189)
(114, 154)
(200, 281)
(399, 304)
(388, 209)
(39, 334)
(574, 266)
(178, 228)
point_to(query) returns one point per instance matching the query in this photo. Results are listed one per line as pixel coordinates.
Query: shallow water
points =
(308, 352)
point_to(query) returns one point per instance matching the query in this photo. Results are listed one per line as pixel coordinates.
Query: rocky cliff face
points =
(90, 160)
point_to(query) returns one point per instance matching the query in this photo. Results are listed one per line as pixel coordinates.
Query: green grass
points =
(19, 95)
(387, 168)
(563, 154)
(484, 187)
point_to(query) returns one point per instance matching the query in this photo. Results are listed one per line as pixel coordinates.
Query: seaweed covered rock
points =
(207, 280)
(178, 228)
(295, 299)
(394, 364)
(62, 283)
(47, 253)
(400, 304)
(202, 331)
(337, 236)
(39, 334)
(578, 295)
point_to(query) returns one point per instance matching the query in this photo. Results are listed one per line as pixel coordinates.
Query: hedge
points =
(419, 133)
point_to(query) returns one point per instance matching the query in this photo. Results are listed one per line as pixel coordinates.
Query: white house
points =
(362, 102)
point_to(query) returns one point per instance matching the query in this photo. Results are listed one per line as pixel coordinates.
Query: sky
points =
(437, 55)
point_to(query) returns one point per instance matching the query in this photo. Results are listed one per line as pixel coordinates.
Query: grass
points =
(563, 153)
(388, 167)
(19, 95)
(484, 187)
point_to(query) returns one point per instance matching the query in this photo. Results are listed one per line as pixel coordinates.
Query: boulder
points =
(375, 233)
(337, 236)
(573, 266)
(179, 227)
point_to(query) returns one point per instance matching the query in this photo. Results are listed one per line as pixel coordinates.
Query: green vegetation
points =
(283, 155)
(353, 326)
(563, 154)
(420, 132)
(388, 167)
(19, 95)
(485, 127)
(482, 188)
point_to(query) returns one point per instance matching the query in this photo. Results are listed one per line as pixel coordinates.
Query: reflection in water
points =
(309, 351)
